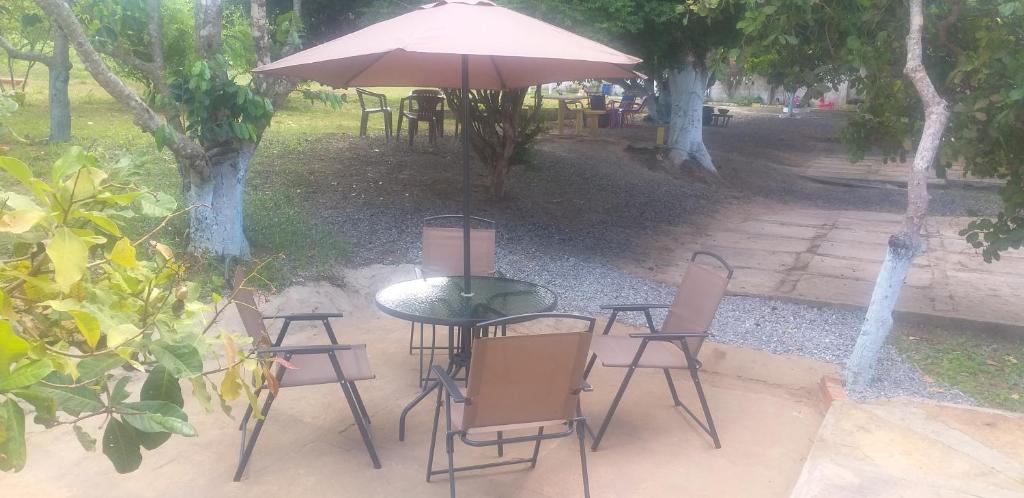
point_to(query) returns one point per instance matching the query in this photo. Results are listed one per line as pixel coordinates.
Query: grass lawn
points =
(278, 221)
(990, 369)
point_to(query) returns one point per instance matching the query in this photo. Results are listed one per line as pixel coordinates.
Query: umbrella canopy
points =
(467, 44)
(505, 50)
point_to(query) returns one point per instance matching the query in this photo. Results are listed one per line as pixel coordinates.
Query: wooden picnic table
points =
(563, 107)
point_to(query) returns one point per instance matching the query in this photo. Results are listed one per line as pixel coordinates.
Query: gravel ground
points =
(580, 205)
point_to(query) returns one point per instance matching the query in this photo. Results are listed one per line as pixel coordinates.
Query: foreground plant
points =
(85, 311)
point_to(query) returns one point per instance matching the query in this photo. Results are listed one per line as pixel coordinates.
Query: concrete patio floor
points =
(768, 409)
(834, 257)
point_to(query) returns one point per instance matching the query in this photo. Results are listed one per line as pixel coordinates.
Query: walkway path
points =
(909, 449)
(834, 257)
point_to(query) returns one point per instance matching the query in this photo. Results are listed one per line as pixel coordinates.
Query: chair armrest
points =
(586, 387)
(448, 384)
(665, 336)
(310, 349)
(301, 317)
(633, 307)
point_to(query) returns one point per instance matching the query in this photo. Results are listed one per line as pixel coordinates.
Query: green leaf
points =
(103, 222)
(160, 385)
(123, 253)
(43, 402)
(231, 385)
(121, 446)
(156, 204)
(12, 436)
(85, 439)
(19, 170)
(88, 325)
(159, 416)
(26, 375)
(119, 334)
(182, 360)
(202, 393)
(69, 256)
(120, 391)
(94, 367)
(12, 348)
(74, 400)
(72, 160)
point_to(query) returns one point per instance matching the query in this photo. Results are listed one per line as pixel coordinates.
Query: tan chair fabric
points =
(442, 251)
(458, 419)
(696, 303)
(527, 379)
(619, 351)
(252, 319)
(317, 368)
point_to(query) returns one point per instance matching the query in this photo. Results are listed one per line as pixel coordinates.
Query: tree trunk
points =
(216, 223)
(686, 129)
(791, 95)
(906, 245)
(658, 108)
(60, 76)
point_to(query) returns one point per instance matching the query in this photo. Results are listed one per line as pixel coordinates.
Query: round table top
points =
(439, 300)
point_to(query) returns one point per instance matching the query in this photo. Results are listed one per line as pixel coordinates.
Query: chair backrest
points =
(697, 300)
(597, 102)
(245, 301)
(442, 248)
(642, 106)
(627, 102)
(530, 378)
(382, 100)
(425, 106)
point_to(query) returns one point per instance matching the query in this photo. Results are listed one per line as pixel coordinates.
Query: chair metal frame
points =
(383, 108)
(450, 393)
(355, 401)
(693, 365)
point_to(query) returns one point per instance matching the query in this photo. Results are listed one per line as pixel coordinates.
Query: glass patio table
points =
(441, 301)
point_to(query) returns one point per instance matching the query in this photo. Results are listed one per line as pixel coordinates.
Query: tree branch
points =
(16, 53)
(936, 112)
(274, 88)
(151, 122)
(944, 26)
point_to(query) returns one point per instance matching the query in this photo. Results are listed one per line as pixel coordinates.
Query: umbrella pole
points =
(465, 178)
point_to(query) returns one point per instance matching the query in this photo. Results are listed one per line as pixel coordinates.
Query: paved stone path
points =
(839, 167)
(909, 449)
(834, 257)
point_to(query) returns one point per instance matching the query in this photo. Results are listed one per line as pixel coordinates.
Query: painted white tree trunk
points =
(60, 76)
(216, 223)
(685, 139)
(907, 244)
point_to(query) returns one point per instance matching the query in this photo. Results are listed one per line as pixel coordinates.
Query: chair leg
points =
(398, 131)
(250, 444)
(536, 448)
(412, 332)
(611, 410)
(433, 436)
(590, 365)
(363, 121)
(387, 125)
(414, 125)
(359, 403)
(704, 405)
(360, 423)
(501, 446)
(672, 387)
(449, 439)
(581, 433)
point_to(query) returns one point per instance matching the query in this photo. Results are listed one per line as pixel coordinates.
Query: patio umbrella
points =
(467, 44)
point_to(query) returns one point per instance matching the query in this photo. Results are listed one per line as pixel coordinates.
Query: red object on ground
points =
(822, 104)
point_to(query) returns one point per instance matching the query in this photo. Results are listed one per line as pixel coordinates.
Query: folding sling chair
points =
(313, 364)
(674, 347)
(515, 383)
(442, 257)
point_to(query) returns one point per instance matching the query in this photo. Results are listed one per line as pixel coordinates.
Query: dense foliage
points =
(86, 314)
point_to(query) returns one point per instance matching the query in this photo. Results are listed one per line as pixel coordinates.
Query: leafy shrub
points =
(84, 310)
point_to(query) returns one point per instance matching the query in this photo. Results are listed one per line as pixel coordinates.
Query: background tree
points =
(198, 102)
(674, 39)
(27, 35)
(961, 60)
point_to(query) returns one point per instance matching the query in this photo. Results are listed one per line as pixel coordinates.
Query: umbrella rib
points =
(363, 70)
(494, 63)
